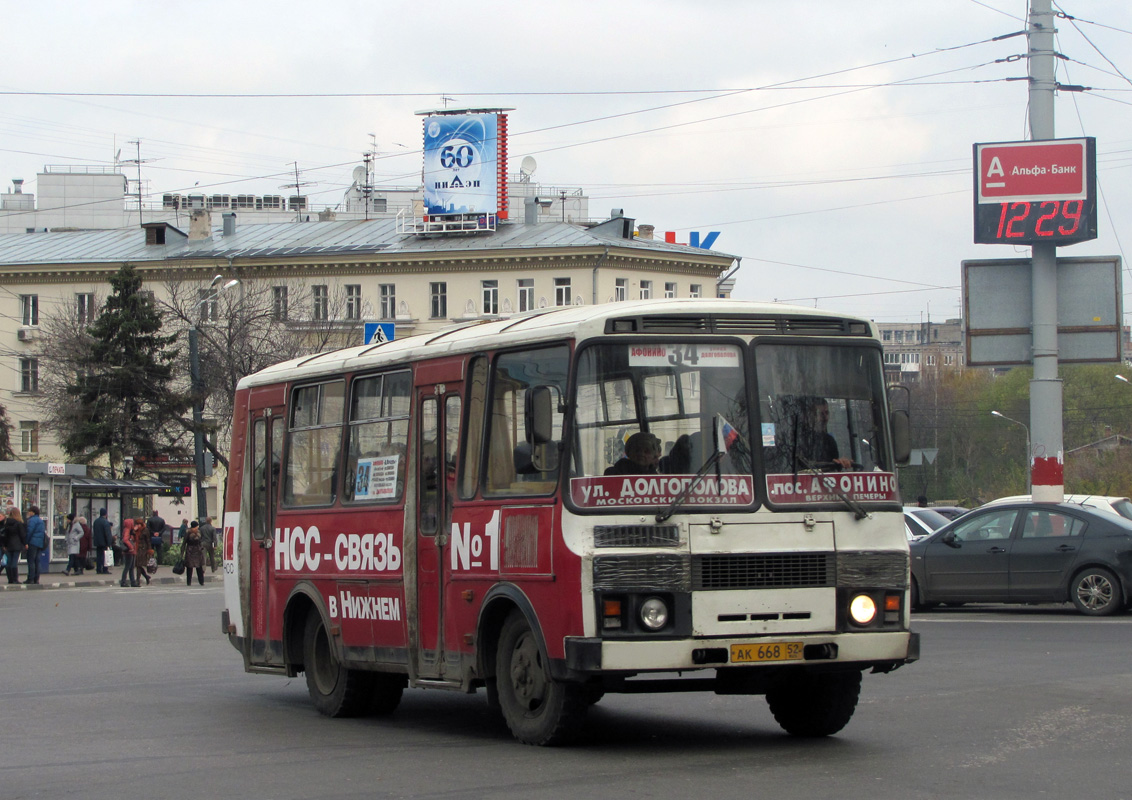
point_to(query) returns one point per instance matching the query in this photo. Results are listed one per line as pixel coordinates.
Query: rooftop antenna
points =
(297, 186)
(137, 161)
(445, 99)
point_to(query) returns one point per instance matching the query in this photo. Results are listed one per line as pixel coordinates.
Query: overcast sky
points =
(828, 142)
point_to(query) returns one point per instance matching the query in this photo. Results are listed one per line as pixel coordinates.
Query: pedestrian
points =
(192, 552)
(129, 554)
(208, 540)
(37, 542)
(182, 530)
(74, 540)
(143, 555)
(85, 545)
(156, 526)
(103, 540)
(15, 539)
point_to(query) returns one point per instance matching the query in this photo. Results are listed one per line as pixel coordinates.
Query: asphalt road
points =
(118, 693)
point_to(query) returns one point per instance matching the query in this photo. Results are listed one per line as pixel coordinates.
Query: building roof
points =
(313, 238)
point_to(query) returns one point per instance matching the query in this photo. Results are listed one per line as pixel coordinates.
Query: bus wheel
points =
(385, 693)
(334, 690)
(817, 704)
(537, 709)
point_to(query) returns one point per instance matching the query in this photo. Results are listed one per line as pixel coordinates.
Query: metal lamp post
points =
(195, 388)
(1027, 429)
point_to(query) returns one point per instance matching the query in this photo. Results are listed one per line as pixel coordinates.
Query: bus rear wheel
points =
(538, 709)
(335, 690)
(814, 704)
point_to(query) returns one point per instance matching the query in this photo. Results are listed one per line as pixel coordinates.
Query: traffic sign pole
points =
(1047, 450)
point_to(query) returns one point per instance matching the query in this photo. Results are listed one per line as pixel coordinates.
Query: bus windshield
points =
(658, 409)
(821, 408)
(680, 410)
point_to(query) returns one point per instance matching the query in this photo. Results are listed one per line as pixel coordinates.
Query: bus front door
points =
(266, 447)
(438, 433)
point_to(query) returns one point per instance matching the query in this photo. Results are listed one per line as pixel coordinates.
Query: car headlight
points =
(654, 613)
(862, 609)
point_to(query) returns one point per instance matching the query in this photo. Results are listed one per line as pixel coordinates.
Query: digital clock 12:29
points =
(1030, 222)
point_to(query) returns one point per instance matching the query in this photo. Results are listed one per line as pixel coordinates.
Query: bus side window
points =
(378, 432)
(315, 441)
(259, 479)
(429, 468)
(513, 466)
(473, 443)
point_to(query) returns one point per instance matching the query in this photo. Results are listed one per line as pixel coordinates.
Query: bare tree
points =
(248, 327)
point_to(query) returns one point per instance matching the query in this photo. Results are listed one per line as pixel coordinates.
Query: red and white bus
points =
(457, 510)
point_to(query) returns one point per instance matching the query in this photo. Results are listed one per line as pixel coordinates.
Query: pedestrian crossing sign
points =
(379, 332)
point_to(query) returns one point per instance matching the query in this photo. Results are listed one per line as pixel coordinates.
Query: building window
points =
(438, 300)
(646, 290)
(84, 308)
(279, 302)
(490, 296)
(898, 336)
(526, 294)
(29, 437)
(207, 304)
(930, 360)
(354, 301)
(886, 336)
(949, 361)
(387, 294)
(695, 290)
(320, 303)
(29, 375)
(669, 290)
(562, 296)
(29, 309)
(891, 358)
(621, 290)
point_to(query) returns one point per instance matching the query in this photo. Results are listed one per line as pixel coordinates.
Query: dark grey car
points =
(1027, 553)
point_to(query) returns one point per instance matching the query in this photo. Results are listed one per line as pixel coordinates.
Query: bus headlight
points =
(654, 613)
(862, 609)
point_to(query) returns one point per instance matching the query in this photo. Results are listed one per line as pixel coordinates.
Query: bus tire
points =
(385, 693)
(334, 690)
(538, 709)
(814, 704)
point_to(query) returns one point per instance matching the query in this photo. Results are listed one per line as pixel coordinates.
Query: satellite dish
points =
(359, 174)
(528, 166)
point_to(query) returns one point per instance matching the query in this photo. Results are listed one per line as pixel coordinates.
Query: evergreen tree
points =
(6, 453)
(126, 402)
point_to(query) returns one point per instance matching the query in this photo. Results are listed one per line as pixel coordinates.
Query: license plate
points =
(765, 651)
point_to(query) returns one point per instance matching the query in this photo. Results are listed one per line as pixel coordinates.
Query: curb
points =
(25, 587)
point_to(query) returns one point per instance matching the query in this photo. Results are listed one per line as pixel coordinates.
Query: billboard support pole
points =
(1046, 455)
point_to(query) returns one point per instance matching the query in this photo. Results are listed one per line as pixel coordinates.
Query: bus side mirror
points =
(901, 437)
(540, 415)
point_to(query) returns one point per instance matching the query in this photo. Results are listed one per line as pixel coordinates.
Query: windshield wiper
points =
(714, 460)
(857, 509)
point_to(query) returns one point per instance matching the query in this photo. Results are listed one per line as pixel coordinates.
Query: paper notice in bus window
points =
(377, 478)
(698, 356)
(768, 434)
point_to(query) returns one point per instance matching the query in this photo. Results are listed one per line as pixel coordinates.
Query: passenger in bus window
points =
(679, 458)
(642, 453)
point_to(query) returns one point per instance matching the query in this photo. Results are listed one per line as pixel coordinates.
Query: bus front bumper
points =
(881, 651)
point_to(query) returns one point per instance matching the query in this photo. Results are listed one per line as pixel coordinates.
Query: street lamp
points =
(195, 388)
(1025, 428)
